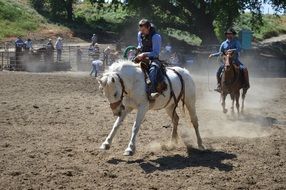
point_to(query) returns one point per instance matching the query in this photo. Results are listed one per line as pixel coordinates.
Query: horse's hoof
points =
(174, 141)
(225, 111)
(104, 147)
(128, 153)
(201, 147)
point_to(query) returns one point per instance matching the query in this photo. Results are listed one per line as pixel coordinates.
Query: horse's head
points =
(113, 88)
(228, 58)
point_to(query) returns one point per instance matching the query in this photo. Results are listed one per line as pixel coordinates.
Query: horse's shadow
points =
(196, 158)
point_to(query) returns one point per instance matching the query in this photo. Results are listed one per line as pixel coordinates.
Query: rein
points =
(236, 75)
(114, 105)
(235, 78)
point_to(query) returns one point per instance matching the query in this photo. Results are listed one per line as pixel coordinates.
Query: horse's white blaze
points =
(136, 98)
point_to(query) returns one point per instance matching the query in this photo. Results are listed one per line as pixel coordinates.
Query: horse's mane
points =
(121, 66)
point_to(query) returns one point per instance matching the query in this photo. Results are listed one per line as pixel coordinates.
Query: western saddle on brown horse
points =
(232, 82)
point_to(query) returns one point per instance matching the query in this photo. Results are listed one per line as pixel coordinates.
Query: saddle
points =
(145, 66)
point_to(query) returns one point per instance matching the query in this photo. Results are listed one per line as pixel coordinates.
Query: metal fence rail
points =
(24, 60)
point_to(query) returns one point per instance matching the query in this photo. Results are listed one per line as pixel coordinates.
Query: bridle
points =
(114, 105)
(236, 76)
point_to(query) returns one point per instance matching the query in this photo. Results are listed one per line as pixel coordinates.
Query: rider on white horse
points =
(149, 43)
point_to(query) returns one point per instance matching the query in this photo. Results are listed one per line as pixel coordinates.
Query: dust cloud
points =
(255, 122)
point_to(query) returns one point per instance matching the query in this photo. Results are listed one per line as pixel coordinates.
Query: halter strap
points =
(114, 105)
(172, 94)
(236, 75)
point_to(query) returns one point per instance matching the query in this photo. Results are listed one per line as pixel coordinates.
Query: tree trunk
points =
(207, 35)
(205, 29)
(69, 9)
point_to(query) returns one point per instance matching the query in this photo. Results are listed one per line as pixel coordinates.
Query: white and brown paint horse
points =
(124, 86)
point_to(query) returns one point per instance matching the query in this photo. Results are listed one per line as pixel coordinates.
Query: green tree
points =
(204, 18)
(57, 8)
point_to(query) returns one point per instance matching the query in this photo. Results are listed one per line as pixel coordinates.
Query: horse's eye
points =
(115, 94)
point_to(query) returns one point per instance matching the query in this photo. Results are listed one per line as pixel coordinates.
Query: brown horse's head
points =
(228, 58)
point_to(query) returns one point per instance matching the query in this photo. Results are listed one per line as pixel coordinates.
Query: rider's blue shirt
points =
(229, 44)
(156, 45)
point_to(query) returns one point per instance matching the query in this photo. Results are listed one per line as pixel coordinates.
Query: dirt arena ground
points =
(51, 125)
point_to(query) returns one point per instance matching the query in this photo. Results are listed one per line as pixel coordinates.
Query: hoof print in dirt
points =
(68, 173)
(35, 106)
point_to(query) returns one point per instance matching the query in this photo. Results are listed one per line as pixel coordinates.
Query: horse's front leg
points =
(223, 97)
(232, 103)
(106, 144)
(130, 150)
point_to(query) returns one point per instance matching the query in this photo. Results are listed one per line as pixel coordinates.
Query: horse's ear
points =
(112, 80)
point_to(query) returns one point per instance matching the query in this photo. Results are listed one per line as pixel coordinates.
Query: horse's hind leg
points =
(237, 95)
(243, 97)
(194, 120)
(223, 97)
(175, 120)
(232, 103)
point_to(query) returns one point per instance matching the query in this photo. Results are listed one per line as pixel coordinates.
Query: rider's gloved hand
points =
(140, 57)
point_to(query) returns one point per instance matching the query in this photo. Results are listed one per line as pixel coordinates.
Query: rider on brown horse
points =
(231, 43)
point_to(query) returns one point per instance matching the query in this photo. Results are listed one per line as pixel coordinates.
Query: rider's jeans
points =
(94, 70)
(155, 75)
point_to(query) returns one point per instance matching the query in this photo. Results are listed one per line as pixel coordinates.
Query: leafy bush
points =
(17, 19)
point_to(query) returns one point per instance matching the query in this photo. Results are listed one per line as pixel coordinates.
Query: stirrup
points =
(153, 96)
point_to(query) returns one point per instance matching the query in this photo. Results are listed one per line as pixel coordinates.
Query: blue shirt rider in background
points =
(149, 42)
(19, 44)
(231, 43)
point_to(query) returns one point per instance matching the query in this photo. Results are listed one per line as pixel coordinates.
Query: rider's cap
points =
(144, 22)
(230, 31)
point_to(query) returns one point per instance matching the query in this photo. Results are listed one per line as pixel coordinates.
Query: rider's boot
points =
(246, 79)
(154, 95)
(218, 88)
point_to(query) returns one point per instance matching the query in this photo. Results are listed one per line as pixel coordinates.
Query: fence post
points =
(69, 54)
(2, 61)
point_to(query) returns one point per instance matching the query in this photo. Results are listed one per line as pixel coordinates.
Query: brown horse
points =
(231, 82)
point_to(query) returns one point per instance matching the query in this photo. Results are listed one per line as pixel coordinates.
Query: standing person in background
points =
(49, 52)
(59, 47)
(28, 45)
(19, 45)
(96, 51)
(95, 64)
(106, 54)
(78, 55)
(93, 39)
(168, 48)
